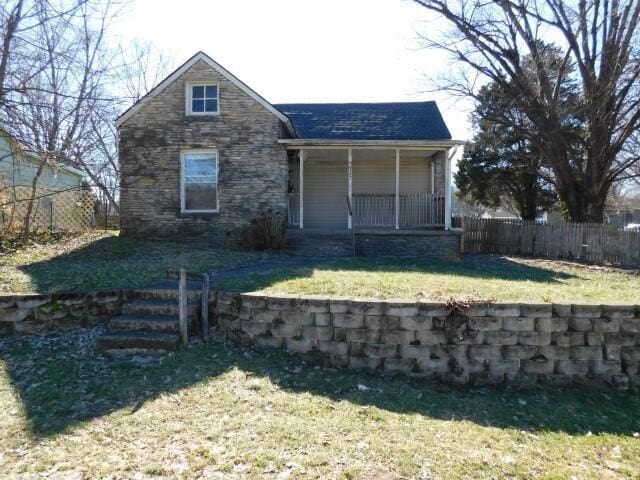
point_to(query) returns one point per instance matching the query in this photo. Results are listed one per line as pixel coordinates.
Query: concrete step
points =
(138, 341)
(164, 294)
(151, 323)
(140, 308)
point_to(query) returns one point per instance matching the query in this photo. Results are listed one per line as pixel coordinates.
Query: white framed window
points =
(202, 98)
(199, 181)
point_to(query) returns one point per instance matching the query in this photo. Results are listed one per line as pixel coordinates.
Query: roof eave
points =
(303, 142)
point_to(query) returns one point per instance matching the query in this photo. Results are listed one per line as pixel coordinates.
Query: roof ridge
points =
(408, 102)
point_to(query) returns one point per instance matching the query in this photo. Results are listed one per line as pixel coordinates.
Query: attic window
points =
(202, 99)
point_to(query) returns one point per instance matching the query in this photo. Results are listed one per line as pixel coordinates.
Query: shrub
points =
(266, 232)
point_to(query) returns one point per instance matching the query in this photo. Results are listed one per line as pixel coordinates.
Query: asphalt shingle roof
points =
(367, 121)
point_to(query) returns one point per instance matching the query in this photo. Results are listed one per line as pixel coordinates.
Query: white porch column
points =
(350, 187)
(301, 189)
(433, 175)
(397, 188)
(447, 189)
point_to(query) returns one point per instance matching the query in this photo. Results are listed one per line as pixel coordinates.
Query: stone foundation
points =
(409, 243)
(521, 344)
(35, 313)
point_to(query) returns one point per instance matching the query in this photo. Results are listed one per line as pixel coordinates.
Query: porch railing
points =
(294, 209)
(416, 210)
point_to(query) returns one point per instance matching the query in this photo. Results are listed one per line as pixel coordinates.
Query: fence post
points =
(204, 314)
(106, 214)
(584, 246)
(182, 306)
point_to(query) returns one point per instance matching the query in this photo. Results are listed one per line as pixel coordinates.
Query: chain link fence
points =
(69, 210)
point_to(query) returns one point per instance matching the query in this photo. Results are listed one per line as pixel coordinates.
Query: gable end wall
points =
(252, 165)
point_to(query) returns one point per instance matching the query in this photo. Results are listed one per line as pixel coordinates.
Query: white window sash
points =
(188, 96)
(184, 179)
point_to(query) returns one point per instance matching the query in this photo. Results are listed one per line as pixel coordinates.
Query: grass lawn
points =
(475, 277)
(105, 260)
(223, 412)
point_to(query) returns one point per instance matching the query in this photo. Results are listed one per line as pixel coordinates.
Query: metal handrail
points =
(353, 226)
(182, 276)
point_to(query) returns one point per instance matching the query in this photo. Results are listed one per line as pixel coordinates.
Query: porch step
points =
(152, 323)
(138, 342)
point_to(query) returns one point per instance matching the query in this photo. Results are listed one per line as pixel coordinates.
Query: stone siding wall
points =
(438, 244)
(35, 313)
(521, 344)
(253, 168)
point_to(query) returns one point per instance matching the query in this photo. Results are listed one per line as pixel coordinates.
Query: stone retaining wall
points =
(514, 343)
(36, 313)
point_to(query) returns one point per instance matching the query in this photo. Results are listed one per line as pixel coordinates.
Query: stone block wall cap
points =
(402, 302)
(315, 298)
(285, 296)
(7, 297)
(368, 300)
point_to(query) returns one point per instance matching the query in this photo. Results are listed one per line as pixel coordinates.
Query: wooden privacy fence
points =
(585, 242)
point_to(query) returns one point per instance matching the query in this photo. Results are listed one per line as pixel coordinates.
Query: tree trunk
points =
(26, 222)
(588, 206)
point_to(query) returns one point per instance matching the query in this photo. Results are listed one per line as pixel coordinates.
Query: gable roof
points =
(218, 68)
(367, 121)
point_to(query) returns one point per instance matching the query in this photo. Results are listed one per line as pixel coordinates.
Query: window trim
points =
(183, 154)
(188, 92)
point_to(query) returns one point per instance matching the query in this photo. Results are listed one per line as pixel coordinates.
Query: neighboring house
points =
(60, 201)
(202, 154)
(499, 214)
(623, 211)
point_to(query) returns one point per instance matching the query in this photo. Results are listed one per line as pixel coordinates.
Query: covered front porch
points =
(368, 186)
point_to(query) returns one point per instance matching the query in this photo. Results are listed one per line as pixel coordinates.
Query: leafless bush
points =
(266, 232)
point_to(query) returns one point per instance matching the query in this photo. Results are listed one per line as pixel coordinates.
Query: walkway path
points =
(215, 278)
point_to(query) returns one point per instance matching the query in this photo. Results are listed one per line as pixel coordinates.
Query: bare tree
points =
(65, 84)
(599, 45)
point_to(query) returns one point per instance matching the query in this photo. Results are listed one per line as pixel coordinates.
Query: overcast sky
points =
(305, 50)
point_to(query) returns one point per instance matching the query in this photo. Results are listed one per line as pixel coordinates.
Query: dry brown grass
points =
(223, 412)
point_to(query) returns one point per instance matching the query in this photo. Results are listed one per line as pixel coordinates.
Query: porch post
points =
(350, 188)
(301, 189)
(447, 190)
(397, 188)
(433, 175)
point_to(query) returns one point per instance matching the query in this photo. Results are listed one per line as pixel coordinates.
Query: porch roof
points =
(404, 121)
(323, 143)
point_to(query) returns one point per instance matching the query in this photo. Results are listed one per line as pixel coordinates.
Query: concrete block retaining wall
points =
(35, 313)
(514, 343)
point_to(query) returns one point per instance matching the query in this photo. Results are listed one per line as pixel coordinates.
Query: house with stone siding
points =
(202, 154)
